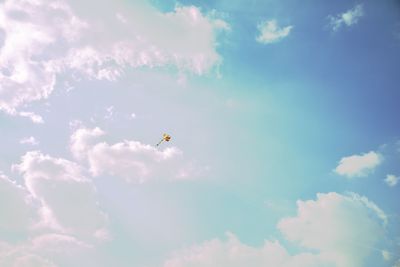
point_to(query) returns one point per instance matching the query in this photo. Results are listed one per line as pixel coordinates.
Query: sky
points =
(285, 141)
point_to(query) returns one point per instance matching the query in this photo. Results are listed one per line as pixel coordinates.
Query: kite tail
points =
(160, 142)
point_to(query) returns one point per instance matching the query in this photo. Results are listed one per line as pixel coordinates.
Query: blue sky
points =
(285, 144)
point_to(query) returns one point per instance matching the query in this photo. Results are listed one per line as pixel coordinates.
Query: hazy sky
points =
(285, 146)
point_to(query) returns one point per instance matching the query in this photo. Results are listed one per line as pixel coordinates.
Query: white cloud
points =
(52, 217)
(359, 165)
(354, 224)
(233, 253)
(32, 116)
(391, 180)
(347, 18)
(67, 197)
(34, 32)
(83, 139)
(132, 160)
(184, 38)
(29, 141)
(16, 208)
(45, 38)
(270, 32)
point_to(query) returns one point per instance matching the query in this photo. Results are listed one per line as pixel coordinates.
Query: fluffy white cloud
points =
(270, 32)
(391, 180)
(67, 197)
(359, 165)
(347, 18)
(34, 31)
(355, 225)
(131, 160)
(340, 230)
(45, 38)
(139, 35)
(83, 139)
(50, 218)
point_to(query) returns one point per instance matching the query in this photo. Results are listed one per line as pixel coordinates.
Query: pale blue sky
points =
(290, 140)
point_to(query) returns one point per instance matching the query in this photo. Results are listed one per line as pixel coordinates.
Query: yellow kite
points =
(166, 138)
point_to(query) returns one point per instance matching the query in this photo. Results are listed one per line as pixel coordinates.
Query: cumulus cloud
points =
(354, 224)
(68, 198)
(391, 180)
(33, 31)
(270, 32)
(83, 139)
(42, 39)
(359, 165)
(132, 160)
(53, 215)
(347, 18)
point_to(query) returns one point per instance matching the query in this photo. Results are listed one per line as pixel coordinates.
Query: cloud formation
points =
(270, 32)
(355, 224)
(53, 181)
(233, 253)
(348, 18)
(359, 165)
(131, 160)
(43, 39)
(34, 31)
(53, 215)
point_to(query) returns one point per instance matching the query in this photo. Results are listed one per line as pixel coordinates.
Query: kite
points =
(166, 138)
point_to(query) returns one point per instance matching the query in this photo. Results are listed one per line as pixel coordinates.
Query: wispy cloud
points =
(391, 180)
(348, 18)
(359, 165)
(270, 32)
(35, 118)
(109, 112)
(29, 141)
